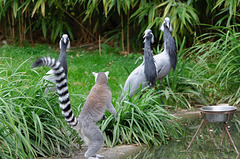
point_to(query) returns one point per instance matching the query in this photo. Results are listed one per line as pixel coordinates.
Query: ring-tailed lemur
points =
(98, 100)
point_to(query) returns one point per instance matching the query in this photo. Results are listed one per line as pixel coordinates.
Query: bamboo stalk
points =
(24, 26)
(29, 20)
(99, 44)
(128, 43)
(123, 49)
(13, 31)
(9, 22)
(20, 30)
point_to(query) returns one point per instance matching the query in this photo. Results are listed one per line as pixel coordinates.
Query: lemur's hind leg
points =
(95, 140)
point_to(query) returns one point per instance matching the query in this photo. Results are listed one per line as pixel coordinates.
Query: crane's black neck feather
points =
(170, 46)
(147, 43)
(149, 65)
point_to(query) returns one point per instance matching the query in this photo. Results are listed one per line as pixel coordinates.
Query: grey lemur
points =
(98, 101)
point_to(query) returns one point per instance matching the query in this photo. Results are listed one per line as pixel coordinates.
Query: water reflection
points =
(202, 146)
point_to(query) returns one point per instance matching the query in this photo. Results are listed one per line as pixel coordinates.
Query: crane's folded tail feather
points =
(62, 88)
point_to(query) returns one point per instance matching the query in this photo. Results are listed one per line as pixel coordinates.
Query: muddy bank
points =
(117, 152)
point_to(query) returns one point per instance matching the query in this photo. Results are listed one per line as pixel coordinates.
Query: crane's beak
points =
(167, 24)
(147, 34)
(65, 41)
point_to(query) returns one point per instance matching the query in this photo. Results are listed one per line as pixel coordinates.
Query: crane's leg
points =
(160, 80)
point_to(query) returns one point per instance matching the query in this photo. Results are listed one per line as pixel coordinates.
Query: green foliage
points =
(217, 66)
(141, 120)
(32, 125)
(228, 11)
(34, 121)
(30, 122)
(85, 20)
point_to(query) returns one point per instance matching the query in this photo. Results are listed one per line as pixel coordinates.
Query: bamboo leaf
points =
(43, 8)
(44, 29)
(15, 8)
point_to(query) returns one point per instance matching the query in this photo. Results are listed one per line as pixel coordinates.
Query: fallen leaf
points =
(78, 83)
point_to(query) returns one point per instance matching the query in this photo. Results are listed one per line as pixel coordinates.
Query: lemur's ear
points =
(107, 73)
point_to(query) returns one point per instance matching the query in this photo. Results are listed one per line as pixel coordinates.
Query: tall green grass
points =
(30, 122)
(141, 120)
(217, 66)
(207, 73)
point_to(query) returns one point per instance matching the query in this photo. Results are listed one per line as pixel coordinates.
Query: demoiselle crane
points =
(168, 58)
(163, 62)
(148, 62)
(64, 44)
(146, 72)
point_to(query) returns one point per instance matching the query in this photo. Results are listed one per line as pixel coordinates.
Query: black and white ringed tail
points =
(62, 88)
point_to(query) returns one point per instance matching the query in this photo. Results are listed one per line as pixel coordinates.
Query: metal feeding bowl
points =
(218, 113)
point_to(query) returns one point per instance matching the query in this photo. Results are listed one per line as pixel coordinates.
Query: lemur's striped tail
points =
(62, 88)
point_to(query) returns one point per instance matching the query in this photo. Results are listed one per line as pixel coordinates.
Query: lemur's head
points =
(101, 77)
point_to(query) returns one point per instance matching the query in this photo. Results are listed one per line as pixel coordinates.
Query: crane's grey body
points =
(149, 65)
(134, 81)
(163, 62)
(64, 44)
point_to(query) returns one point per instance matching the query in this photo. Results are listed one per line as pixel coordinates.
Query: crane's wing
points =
(134, 80)
(163, 65)
(49, 76)
(50, 72)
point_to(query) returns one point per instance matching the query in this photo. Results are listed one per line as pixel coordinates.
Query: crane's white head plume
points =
(167, 22)
(65, 41)
(148, 34)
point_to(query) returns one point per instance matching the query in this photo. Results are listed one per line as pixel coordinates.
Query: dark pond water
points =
(202, 146)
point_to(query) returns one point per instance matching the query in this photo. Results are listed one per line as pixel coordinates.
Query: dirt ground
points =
(117, 152)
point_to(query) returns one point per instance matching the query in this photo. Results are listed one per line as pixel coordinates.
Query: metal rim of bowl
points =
(218, 109)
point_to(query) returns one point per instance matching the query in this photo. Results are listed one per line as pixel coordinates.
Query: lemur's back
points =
(97, 100)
